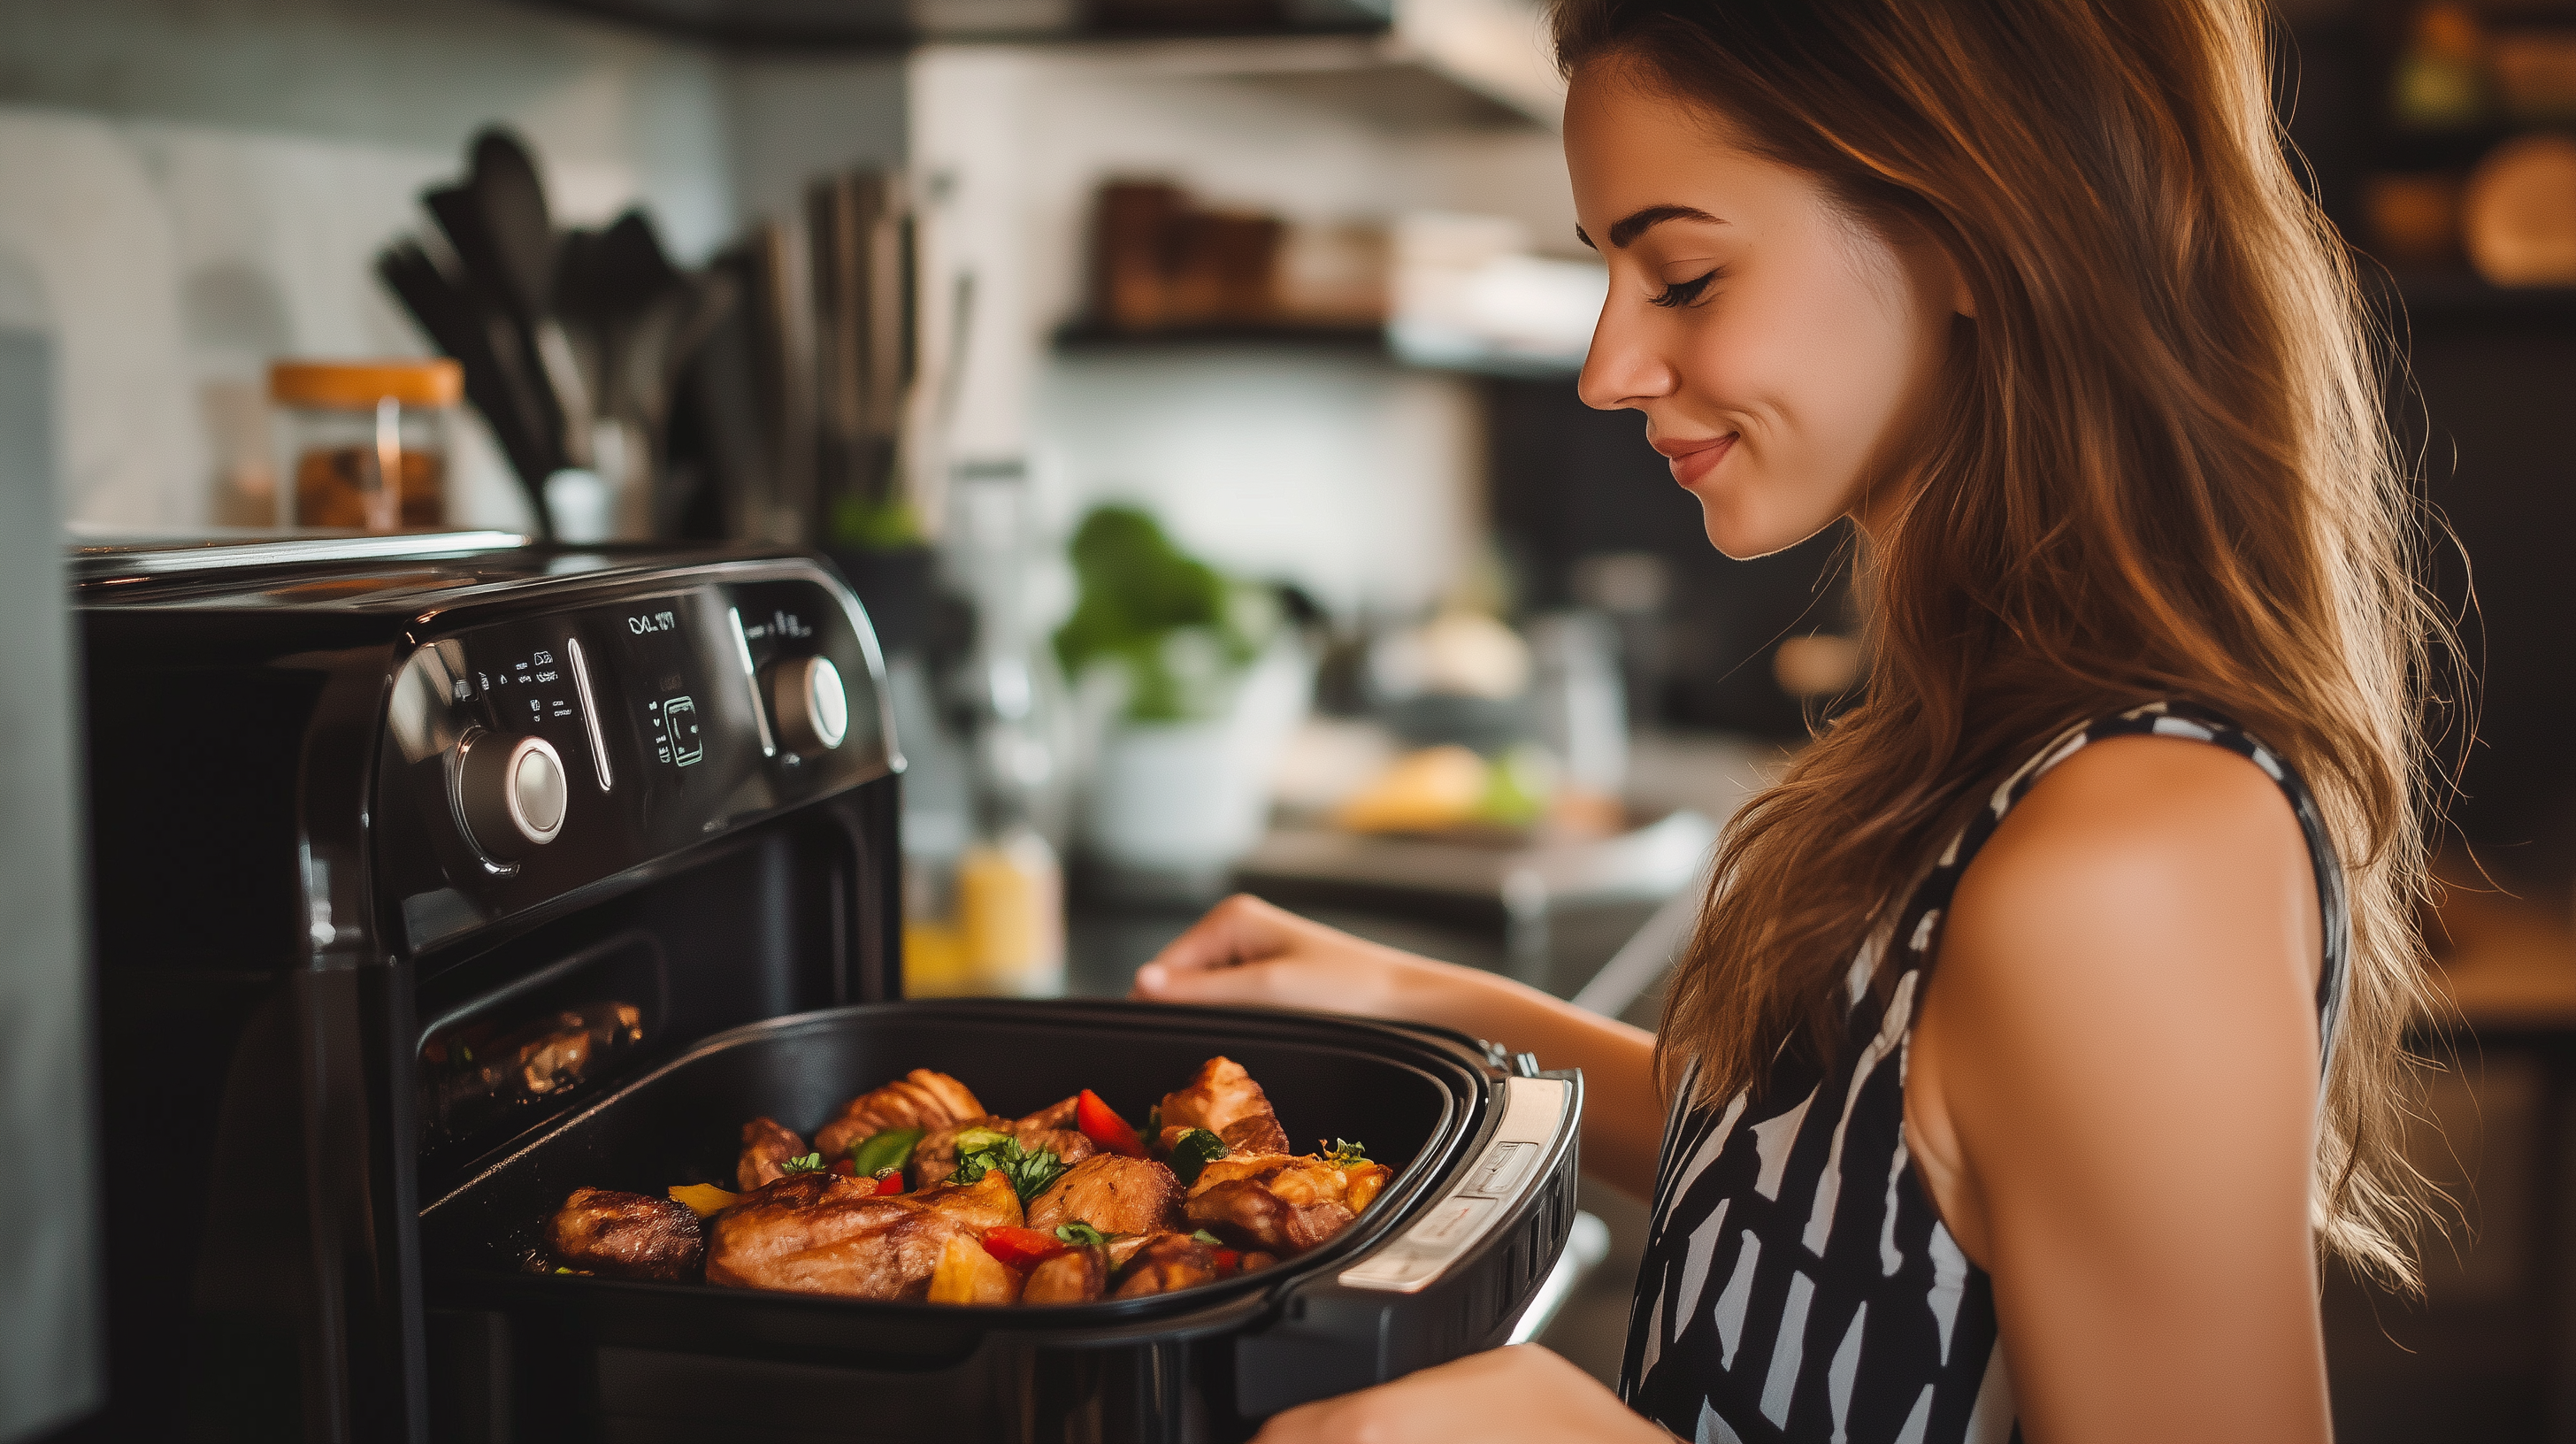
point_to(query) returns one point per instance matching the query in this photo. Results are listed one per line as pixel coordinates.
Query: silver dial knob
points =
(510, 793)
(812, 707)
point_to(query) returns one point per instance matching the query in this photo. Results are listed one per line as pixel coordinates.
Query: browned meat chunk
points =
(766, 1147)
(1167, 1264)
(629, 1235)
(1055, 1115)
(823, 1233)
(1069, 1278)
(935, 1156)
(1113, 1195)
(1280, 1205)
(920, 1099)
(1225, 1101)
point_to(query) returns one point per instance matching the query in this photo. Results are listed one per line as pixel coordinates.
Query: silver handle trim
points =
(589, 710)
(1534, 1114)
(751, 682)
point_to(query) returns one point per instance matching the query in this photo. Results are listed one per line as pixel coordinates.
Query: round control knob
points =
(510, 793)
(812, 707)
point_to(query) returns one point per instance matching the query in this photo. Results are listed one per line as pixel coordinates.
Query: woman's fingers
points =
(1241, 929)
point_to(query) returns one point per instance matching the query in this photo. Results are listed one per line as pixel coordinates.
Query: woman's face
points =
(1779, 348)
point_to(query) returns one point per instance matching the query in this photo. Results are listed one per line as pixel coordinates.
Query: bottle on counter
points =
(363, 444)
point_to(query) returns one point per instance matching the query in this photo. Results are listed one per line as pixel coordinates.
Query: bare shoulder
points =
(2167, 804)
(2136, 945)
(2139, 845)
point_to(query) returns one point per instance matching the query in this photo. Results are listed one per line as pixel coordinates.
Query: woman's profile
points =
(2042, 1025)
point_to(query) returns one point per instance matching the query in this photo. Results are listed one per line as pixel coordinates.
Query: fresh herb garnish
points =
(810, 1163)
(989, 1149)
(1081, 1235)
(880, 1153)
(1211, 1240)
(1194, 1151)
(1343, 1153)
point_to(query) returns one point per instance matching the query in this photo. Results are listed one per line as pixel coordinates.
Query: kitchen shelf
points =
(898, 24)
(1358, 343)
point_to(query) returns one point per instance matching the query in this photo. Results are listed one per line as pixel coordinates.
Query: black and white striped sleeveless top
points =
(1797, 1284)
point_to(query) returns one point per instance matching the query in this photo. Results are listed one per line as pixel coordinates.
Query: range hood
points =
(879, 23)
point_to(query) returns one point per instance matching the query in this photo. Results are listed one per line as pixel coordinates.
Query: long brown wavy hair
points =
(2159, 468)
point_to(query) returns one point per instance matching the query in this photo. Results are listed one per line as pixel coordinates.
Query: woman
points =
(2041, 1024)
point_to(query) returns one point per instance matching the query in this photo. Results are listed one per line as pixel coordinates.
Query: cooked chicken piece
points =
(1166, 1264)
(969, 1275)
(1361, 1182)
(1256, 1260)
(1124, 1247)
(766, 1146)
(630, 1235)
(935, 1156)
(920, 1099)
(1077, 1277)
(1055, 1115)
(1280, 1205)
(1113, 1195)
(1225, 1101)
(826, 1234)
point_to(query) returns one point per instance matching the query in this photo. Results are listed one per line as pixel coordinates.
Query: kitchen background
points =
(1188, 390)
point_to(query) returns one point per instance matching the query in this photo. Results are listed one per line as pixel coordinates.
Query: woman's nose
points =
(1624, 368)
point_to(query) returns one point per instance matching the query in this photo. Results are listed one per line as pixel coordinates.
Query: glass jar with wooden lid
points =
(364, 444)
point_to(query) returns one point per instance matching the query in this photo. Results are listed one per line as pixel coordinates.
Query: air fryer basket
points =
(579, 1357)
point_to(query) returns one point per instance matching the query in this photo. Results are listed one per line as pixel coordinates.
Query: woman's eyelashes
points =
(1682, 293)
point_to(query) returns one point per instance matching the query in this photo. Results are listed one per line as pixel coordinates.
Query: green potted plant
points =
(1191, 695)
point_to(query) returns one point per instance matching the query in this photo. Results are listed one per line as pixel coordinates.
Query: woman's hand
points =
(1521, 1393)
(1246, 951)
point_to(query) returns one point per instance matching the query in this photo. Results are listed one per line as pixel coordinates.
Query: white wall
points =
(1354, 477)
(199, 187)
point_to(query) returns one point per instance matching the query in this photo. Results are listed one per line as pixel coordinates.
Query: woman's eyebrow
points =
(1637, 223)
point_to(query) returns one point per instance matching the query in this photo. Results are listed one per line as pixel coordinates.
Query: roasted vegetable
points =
(1023, 1248)
(968, 1274)
(1101, 1124)
(890, 1149)
(1193, 1151)
(705, 1199)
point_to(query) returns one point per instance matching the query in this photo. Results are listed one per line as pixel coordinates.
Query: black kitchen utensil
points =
(512, 199)
(457, 325)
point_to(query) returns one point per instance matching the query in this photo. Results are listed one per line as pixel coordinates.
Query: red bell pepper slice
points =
(1101, 1124)
(845, 1168)
(891, 1182)
(1022, 1248)
(1228, 1261)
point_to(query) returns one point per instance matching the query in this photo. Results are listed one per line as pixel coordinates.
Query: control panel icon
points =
(680, 727)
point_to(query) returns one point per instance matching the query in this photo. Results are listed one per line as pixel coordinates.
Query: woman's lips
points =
(1692, 460)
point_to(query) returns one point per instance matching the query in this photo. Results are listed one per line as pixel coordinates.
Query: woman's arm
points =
(2111, 1094)
(1246, 951)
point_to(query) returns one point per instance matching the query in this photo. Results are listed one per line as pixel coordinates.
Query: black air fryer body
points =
(438, 876)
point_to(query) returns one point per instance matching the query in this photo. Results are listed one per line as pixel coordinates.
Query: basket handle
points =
(1411, 1300)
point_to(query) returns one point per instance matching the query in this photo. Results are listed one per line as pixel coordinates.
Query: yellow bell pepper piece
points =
(705, 1199)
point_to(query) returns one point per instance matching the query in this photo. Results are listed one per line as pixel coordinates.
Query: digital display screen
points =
(662, 687)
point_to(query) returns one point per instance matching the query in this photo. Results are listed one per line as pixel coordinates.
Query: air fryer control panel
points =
(530, 755)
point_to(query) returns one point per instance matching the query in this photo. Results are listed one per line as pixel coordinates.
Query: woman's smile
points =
(1696, 457)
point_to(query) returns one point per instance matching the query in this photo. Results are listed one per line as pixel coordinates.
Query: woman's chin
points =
(1742, 538)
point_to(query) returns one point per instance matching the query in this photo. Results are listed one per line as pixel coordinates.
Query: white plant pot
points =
(1191, 797)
